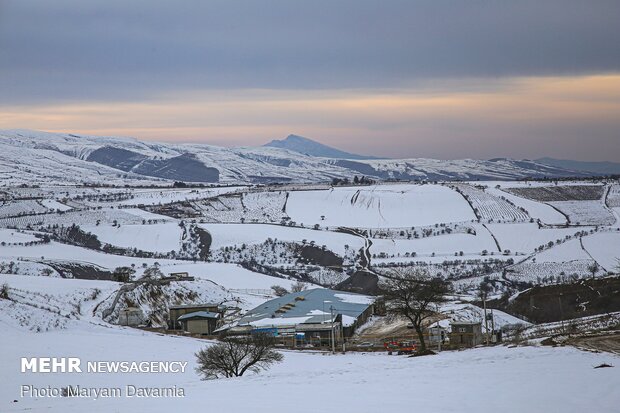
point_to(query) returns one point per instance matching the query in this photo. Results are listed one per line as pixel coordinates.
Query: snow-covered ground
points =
(57, 251)
(527, 237)
(227, 275)
(53, 204)
(537, 210)
(231, 276)
(568, 251)
(70, 322)
(440, 245)
(11, 236)
(154, 237)
(604, 247)
(532, 379)
(586, 212)
(379, 206)
(224, 235)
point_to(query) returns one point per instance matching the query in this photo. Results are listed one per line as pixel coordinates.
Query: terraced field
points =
(258, 207)
(110, 216)
(490, 207)
(585, 212)
(560, 193)
(16, 208)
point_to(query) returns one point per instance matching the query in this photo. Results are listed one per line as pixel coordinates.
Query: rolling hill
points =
(41, 157)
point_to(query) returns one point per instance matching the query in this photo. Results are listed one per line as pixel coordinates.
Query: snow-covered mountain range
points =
(307, 146)
(31, 156)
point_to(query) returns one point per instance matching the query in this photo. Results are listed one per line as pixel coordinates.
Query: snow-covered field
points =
(14, 208)
(526, 238)
(537, 210)
(568, 251)
(231, 276)
(154, 237)
(11, 236)
(604, 247)
(236, 234)
(164, 196)
(379, 206)
(586, 212)
(440, 244)
(533, 379)
(490, 207)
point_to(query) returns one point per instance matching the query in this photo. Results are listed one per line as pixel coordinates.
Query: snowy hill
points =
(307, 146)
(602, 168)
(51, 158)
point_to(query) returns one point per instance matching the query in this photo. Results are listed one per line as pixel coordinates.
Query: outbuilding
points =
(199, 322)
(176, 311)
(465, 333)
(131, 316)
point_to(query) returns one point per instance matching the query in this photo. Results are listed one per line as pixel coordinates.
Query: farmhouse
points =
(196, 318)
(307, 318)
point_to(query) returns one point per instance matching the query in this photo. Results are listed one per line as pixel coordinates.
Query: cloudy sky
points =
(443, 79)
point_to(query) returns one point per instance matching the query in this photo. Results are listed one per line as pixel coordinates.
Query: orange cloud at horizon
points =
(539, 112)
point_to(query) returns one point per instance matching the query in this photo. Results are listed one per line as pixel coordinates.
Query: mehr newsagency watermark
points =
(47, 365)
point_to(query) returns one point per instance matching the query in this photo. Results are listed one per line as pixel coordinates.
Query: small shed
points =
(199, 322)
(465, 333)
(131, 316)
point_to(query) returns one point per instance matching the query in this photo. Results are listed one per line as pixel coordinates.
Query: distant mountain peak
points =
(298, 138)
(307, 146)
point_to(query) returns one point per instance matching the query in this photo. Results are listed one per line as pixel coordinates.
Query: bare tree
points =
(153, 272)
(279, 291)
(415, 295)
(4, 291)
(123, 274)
(233, 356)
(485, 288)
(298, 287)
(593, 268)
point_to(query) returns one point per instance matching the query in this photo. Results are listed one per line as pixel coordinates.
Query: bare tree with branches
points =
(415, 295)
(279, 291)
(298, 287)
(233, 356)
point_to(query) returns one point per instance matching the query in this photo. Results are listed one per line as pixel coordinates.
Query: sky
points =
(411, 78)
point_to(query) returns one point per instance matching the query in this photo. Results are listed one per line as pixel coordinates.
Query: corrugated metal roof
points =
(199, 314)
(177, 307)
(308, 307)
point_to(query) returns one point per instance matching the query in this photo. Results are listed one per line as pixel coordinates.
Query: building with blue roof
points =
(310, 316)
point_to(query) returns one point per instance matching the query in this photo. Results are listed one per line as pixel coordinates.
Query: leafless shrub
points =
(298, 287)
(4, 291)
(233, 356)
(279, 291)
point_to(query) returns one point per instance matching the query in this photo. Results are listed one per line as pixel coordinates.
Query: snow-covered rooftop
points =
(308, 307)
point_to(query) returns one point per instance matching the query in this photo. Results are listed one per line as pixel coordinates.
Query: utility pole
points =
(561, 313)
(331, 310)
(486, 320)
(493, 325)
